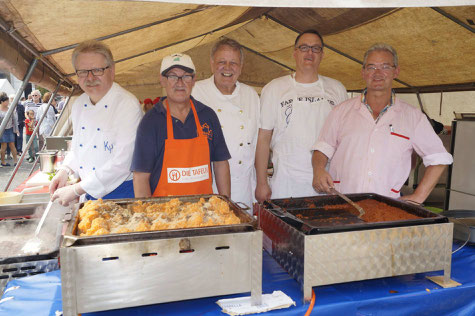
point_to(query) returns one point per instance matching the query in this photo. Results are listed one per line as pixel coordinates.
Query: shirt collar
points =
(391, 103)
(161, 108)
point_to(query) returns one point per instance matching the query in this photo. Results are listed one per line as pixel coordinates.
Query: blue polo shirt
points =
(152, 132)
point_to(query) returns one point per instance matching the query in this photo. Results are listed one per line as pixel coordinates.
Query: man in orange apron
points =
(178, 139)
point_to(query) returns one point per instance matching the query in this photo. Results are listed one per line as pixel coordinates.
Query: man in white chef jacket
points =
(293, 110)
(237, 107)
(105, 119)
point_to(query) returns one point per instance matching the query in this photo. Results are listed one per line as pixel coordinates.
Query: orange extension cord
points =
(312, 302)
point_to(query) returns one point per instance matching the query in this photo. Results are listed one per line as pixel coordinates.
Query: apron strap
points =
(170, 134)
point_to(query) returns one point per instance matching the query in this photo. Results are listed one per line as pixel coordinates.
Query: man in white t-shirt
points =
(293, 110)
(237, 107)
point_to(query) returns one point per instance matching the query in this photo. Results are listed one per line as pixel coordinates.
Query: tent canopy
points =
(435, 45)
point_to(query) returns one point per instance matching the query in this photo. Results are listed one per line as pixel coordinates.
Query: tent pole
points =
(330, 47)
(451, 17)
(166, 46)
(268, 58)
(13, 106)
(35, 132)
(54, 126)
(13, 34)
(61, 114)
(440, 106)
(420, 102)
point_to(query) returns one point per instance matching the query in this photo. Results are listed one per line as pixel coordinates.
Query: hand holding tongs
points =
(347, 199)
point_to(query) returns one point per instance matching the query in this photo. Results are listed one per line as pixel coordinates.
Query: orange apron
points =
(186, 166)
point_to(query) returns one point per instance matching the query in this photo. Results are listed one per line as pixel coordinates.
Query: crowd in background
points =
(23, 122)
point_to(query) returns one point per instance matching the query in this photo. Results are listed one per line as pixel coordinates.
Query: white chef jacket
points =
(103, 140)
(46, 126)
(238, 114)
(296, 112)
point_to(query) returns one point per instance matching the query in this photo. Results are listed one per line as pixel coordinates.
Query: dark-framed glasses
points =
(96, 72)
(305, 48)
(383, 67)
(174, 78)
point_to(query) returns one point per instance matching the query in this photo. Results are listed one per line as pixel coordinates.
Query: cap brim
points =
(187, 69)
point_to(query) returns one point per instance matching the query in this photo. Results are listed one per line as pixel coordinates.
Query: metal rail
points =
(35, 132)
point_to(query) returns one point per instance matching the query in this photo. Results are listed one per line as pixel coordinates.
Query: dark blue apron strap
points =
(123, 191)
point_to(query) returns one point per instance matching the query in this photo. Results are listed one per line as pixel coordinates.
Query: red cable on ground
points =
(312, 302)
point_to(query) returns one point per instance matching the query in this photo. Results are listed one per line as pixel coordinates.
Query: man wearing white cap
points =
(178, 139)
(237, 107)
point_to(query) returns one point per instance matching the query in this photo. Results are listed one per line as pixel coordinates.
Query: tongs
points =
(347, 199)
(289, 217)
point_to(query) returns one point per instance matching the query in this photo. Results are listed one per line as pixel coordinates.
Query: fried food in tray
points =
(105, 217)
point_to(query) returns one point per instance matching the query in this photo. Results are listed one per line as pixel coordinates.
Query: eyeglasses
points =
(174, 78)
(383, 67)
(83, 73)
(35, 95)
(315, 48)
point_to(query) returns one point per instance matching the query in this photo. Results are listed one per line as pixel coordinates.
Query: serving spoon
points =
(347, 199)
(33, 244)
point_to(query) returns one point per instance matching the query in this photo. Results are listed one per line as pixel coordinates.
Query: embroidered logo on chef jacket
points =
(108, 147)
(188, 175)
(207, 131)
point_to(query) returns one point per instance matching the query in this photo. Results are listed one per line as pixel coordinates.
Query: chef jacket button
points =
(370, 173)
(240, 162)
(83, 127)
(98, 129)
(95, 146)
(240, 111)
(105, 106)
(85, 105)
(242, 126)
(241, 144)
(94, 168)
(219, 110)
(372, 150)
(80, 145)
(80, 167)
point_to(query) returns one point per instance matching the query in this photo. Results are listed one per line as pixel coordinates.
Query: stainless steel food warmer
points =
(124, 270)
(326, 251)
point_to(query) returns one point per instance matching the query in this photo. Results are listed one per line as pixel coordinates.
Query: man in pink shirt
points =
(369, 139)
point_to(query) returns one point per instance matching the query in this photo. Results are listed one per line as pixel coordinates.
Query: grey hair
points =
(39, 92)
(231, 43)
(93, 46)
(382, 47)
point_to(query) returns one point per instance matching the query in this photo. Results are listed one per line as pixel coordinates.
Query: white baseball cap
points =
(181, 61)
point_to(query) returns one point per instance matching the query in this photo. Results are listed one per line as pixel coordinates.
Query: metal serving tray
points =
(356, 252)
(248, 223)
(124, 270)
(342, 220)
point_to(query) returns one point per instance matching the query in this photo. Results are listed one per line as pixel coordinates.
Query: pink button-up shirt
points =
(368, 156)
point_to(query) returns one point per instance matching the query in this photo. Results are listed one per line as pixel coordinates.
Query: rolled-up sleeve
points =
(429, 146)
(327, 141)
